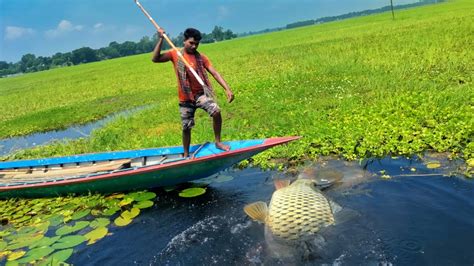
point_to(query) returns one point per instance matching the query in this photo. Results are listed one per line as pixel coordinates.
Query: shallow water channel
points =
(10, 145)
(413, 216)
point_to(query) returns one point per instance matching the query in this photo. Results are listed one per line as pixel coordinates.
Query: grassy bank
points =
(362, 87)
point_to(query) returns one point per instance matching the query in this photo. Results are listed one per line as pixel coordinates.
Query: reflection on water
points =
(416, 219)
(11, 145)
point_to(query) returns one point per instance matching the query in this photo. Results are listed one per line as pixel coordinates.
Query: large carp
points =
(296, 210)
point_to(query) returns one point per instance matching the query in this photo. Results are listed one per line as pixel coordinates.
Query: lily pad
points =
(141, 196)
(23, 242)
(36, 254)
(69, 242)
(45, 241)
(134, 212)
(80, 214)
(56, 219)
(125, 201)
(143, 204)
(121, 221)
(16, 255)
(192, 192)
(95, 235)
(110, 212)
(3, 245)
(61, 256)
(99, 222)
(70, 229)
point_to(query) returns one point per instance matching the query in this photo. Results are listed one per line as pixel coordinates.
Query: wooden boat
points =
(123, 170)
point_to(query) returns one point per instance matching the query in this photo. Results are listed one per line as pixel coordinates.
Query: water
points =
(417, 217)
(11, 145)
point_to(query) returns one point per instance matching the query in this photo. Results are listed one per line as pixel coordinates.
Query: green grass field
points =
(362, 87)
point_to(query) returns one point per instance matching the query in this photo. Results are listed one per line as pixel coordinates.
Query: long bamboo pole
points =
(198, 78)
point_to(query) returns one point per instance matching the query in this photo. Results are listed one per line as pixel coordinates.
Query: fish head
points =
(322, 178)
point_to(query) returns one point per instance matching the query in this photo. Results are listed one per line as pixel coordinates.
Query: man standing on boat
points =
(191, 94)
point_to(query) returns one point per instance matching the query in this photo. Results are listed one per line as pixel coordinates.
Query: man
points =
(191, 94)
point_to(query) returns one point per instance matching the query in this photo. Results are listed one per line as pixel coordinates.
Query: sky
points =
(45, 27)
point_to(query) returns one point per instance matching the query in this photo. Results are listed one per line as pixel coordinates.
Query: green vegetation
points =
(362, 87)
(45, 231)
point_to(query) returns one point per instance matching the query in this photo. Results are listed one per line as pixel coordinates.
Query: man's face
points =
(191, 45)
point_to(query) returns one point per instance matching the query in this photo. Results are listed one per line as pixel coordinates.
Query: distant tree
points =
(27, 62)
(84, 55)
(127, 48)
(218, 33)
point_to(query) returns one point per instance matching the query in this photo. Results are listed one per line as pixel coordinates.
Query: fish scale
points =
(298, 210)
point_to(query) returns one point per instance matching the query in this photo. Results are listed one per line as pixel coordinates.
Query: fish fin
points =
(257, 211)
(281, 183)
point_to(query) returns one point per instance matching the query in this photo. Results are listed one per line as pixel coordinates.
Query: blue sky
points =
(44, 27)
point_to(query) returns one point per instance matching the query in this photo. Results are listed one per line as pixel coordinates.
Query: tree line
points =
(31, 63)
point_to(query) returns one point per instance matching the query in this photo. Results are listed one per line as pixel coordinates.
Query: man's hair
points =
(192, 33)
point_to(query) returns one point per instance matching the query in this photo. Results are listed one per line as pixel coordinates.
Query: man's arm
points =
(157, 56)
(218, 77)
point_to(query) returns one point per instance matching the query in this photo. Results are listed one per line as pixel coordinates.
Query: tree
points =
(27, 62)
(83, 55)
(218, 33)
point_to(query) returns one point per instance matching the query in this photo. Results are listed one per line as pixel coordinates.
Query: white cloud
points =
(98, 25)
(63, 27)
(12, 32)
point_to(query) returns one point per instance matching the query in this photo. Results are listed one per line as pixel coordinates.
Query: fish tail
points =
(257, 211)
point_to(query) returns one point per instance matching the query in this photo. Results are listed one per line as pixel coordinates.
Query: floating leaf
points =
(80, 214)
(115, 196)
(36, 254)
(386, 176)
(23, 242)
(433, 165)
(121, 221)
(56, 219)
(70, 229)
(99, 222)
(69, 242)
(143, 204)
(125, 202)
(110, 212)
(95, 235)
(141, 196)
(61, 255)
(3, 245)
(45, 241)
(134, 212)
(4, 253)
(16, 255)
(192, 192)
(413, 169)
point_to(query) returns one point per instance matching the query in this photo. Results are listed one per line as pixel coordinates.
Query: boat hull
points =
(142, 178)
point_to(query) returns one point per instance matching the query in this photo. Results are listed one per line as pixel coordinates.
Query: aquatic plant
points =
(46, 231)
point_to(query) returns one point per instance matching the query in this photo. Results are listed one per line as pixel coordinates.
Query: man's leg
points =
(217, 123)
(186, 141)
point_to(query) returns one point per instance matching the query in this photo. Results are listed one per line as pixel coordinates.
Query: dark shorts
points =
(187, 110)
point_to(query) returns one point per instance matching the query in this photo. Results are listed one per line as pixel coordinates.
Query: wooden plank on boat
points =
(102, 167)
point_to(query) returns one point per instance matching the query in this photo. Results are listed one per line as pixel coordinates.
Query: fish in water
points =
(296, 210)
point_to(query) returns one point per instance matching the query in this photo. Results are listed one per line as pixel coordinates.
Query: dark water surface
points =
(416, 217)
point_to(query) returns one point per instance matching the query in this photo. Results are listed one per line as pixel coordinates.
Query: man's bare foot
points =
(222, 146)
